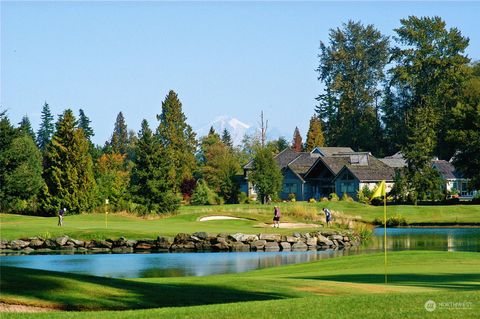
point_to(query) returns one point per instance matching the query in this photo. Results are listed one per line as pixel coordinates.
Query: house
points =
(454, 180)
(362, 169)
(305, 174)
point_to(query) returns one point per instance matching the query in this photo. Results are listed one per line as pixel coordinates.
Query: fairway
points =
(93, 226)
(346, 286)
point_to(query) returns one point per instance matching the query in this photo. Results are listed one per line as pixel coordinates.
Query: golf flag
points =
(381, 191)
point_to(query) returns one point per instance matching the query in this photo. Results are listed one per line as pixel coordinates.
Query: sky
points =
(222, 58)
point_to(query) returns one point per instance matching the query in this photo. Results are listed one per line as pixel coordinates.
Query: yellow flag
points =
(380, 191)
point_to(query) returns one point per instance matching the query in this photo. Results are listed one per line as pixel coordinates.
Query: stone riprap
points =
(200, 241)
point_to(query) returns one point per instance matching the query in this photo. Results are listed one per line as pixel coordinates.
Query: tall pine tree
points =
(46, 129)
(227, 138)
(25, 127)
(178, 139)
(84, 124)
(153, 176)
(352, 68)
(68, 169)
(297, 144)
(315, 134)
(119, 141)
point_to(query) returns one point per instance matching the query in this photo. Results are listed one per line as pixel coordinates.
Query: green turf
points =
(92, 226)
(347, 287)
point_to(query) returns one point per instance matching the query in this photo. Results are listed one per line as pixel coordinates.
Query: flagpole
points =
(385, 231)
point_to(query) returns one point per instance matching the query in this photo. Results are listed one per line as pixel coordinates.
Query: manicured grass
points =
(92, 226)
(347, 287)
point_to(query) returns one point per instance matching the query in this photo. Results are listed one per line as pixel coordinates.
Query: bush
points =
(291, 197)
(324, 199)
(203, 195)
(312, 200)
(243, 198)
(346, 198)
(393, 221)
(364, 195)
(333, 197)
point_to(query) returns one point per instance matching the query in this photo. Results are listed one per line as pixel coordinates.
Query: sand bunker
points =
(290, 225)
(21, 308)
(207, 218)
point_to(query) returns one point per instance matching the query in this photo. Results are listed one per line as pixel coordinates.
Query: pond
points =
(203, 264)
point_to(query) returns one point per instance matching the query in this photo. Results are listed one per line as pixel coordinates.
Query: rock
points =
(182, 238)
(130, 243)
(165, 242)
(195, 239)
(76, 243)
(307, 236)
(258, 244)
(285, 246)
(3, 244)
(18, 244)
(28, 250)
(345, 238)
(340, 243)
(298, 235)
(292, 239)
(324, 240)
(271, 246)
(220, 247)
(327, 233)
(239, 246)
(244, 237)
(143, 246)
(270, 237)
(335, 237)
(104, 244)
(122, 250)
(203, 246)
(312, 241)
(300, 246)
(61, 240)
(201, 235)
(36, 242)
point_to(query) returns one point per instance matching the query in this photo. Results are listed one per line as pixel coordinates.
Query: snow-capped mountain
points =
(236, 128)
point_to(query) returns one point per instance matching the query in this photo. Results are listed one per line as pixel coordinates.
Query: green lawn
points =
(92, 226)
(347, 287)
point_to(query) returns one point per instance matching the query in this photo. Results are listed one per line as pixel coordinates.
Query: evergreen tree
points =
(219, 167)
(429, 72)
(315, 134)
(84, 124)
(464, 131)
(352, 67)
(20, 175)
(46, 129)
(266, 175)
(119, 141)
(297, 144)
(177, 138)
(68, 169)
(282, 144)
(227, 138)
(113, 178)
(25, 127)
(423, 180)
(153, 174)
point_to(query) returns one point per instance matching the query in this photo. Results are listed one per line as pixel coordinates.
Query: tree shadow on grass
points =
(446, 281)
(81, 292)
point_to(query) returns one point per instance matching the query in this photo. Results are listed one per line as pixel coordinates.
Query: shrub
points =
(312, 200)
(324, 199)
(291, 197)
(346, 198)
(243, 198)
(203, 195)
(303, 211)
(333, 197)
(393, 221)
(364, 195)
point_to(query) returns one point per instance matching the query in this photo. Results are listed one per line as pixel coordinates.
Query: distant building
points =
(454, 180)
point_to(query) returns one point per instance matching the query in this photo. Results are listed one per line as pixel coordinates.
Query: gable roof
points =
(283, 158)
(330, 151)
(446, 169)
(302, 164)
(374, 171)
(396, 160)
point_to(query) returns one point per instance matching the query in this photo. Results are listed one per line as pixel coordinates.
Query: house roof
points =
(375, 170)
(330, 151)
(394, 162)
(335, 163)
(302, 163)
(446, 169)
(283, 158)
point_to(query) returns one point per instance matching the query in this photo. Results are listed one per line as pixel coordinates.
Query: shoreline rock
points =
(196, 242)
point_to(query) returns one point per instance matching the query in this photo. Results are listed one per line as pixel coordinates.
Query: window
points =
(347, 187)
(290, 188)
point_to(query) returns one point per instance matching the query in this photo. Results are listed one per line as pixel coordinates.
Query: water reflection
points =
(203, 264)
